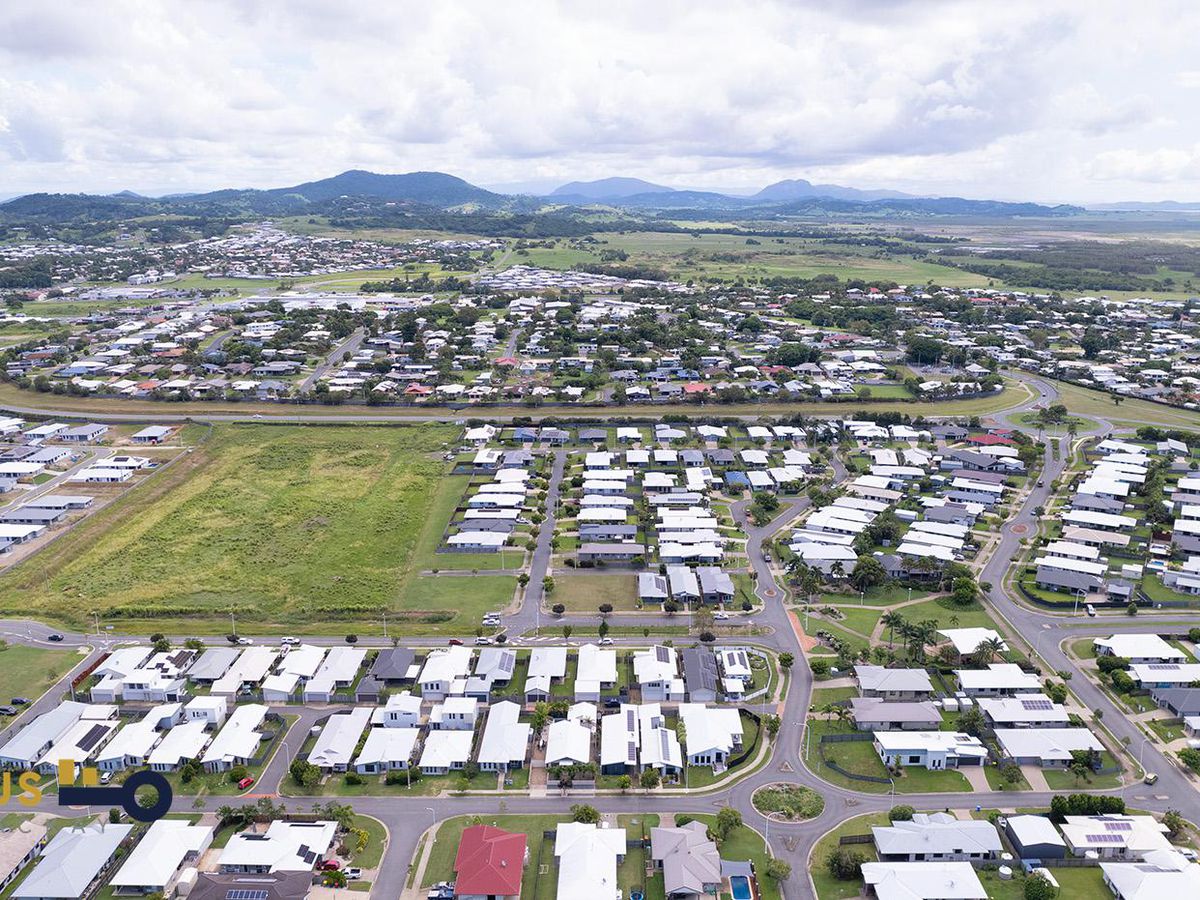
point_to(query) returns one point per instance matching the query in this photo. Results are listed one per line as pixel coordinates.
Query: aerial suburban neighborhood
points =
(546, 452)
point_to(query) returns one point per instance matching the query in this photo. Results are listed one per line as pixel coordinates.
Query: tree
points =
(989, 650)
(352, 639)
(868, 572)
(1081, 765)
(777, 869)
(650, 779)
(728, 819)
(964, 591)
(588, 815)
(1176, 824)
(567, 629)
(844, 864)
(304, 773)
(624, 783)
(786, 661)
(1037, 887)
(901, 813)
(772, 723)
(558, 609)
(892, 620)
(603, 629)
(1132, 608)
(971, 721)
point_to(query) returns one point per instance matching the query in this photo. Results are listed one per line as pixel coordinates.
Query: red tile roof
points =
(991, 440)
(489, 861)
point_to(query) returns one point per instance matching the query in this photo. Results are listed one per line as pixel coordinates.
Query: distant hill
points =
(608, 189)
(799, 189)
(1148, 206)
(433, 188)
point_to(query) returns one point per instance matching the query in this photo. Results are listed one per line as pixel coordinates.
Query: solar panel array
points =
(1105, 839)
(92, 737)
(507, 662)
(1163, 667)
(242, 894)
(664, 738)
(1037, 705)
(662, 654)
(1118, 826)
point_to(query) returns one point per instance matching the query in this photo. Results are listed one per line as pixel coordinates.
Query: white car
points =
(720, 616)
(605, 642)
(482, 641)
(290, 641)
(245, 642)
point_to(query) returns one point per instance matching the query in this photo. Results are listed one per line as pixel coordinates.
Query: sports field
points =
(287, 526)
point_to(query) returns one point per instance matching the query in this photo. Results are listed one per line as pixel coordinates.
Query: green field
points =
(585, 593)
(289, 527)
(31, 671)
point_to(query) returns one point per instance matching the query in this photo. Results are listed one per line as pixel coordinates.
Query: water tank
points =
(187, 881)
(1005, 873)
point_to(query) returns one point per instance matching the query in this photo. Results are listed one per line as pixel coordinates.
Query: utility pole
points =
(232, 622)
(385, 634)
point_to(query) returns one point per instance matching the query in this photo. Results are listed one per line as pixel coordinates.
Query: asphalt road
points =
(1043, 632)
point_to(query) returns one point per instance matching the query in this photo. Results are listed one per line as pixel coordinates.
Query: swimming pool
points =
(740, 886)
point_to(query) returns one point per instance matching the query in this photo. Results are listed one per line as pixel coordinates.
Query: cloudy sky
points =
(1050, 101)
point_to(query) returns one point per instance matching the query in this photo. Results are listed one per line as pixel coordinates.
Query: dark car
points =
(56, 637)
(20, 701)
(455, 642)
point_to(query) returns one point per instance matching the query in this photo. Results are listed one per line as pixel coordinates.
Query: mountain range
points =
(363, 192)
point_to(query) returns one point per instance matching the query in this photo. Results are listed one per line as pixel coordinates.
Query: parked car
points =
(8, 710)
(1151, 778)
(56, 637)
(290, 641)
(353, 873)
(20, 701)
(720, 616)
(455, 642)
(329, 865)
(1091, 610)
(245, 641)
(605, 642)
(245, 783)
(482, 641)
(105, 777)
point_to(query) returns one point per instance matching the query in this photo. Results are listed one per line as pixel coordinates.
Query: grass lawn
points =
(585, 593)
(862, 620)
(534, 886)
(31, 671)
(631, 872)
(828, 887)
(1167, 729)
(447, 494)
(996, 783)
(883, 595)
(1083, 648)
(821, 696)
(1059, 780)
(856, 642)
(943, 611)
(377, 838)
(791, 800)
(288, 526)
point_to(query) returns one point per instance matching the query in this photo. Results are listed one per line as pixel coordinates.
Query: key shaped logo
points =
(89, 792)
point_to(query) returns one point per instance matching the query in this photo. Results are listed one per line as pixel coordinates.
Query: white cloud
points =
(1043, 100)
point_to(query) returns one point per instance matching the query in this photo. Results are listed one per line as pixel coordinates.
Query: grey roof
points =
(1184, 701)
(876, 709)
(936, 834)
(213, 663)
(71, 861)
(689, 859)
(1031, 830)
(275, 886)
(652, 586)
(393, 664)
(714, 581)
(700, 669)
(877, 678)
(1076, 581)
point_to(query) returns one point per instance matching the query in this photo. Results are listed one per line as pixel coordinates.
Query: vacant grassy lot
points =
(31, 671)
(585, 593)
(284, 525)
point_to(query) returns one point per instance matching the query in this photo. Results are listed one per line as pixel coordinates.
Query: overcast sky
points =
(1049, 101)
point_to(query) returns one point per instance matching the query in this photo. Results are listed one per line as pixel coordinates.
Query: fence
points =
(847, 840)
(843, 739)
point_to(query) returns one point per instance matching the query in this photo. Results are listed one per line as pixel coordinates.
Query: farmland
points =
(283, 526)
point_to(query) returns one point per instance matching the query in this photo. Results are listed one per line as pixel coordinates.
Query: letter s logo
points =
(31, 785)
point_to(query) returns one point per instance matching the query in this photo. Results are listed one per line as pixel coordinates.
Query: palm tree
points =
(893, 620)
(990, 650)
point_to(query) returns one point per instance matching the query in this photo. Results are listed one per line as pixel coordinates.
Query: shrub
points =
(845, 865)
(902, 813)
(353, 779)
